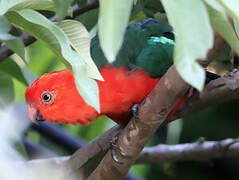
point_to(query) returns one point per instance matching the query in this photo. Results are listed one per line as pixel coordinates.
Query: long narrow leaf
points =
(80, 41)
(222, 25)
(113, 19)
(49, 33)
(192, 39)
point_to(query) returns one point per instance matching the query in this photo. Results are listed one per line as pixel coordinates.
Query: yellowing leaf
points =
(80, 40)
(49, 33)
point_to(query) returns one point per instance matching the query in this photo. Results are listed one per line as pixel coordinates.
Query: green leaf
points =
(113, 19)
(87, 87)
(62, 7)
(14, 43)
(236, 26)
(7, 5)
(192, 41)
(222, 25)
(18, 47)
(49, 33)
(44, 30)
(4, 29)
(28, 75)
(9, 67)
(231, 7)
(80, 41)
(174, 130)
(22, 62)
(6, 89)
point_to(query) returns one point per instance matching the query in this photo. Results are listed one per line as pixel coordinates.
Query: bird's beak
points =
(34, 114)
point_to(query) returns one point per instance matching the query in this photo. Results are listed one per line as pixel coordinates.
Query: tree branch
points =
(198, 151)
(227, 89)
(152, 113)
(217, 91)
(85, 154)
(38, 151)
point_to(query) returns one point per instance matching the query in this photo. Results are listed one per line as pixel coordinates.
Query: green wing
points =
(147, 44)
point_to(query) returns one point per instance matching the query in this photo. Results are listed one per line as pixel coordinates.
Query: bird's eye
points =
(47, 97)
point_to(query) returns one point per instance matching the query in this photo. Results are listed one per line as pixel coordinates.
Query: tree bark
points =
(152, 113)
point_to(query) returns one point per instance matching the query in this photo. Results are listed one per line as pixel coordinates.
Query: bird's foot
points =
(135, 109)
(113, 142)
(113, 148)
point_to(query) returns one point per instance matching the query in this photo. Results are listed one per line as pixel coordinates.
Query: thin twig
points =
(217, 91)
(152, 113)
(198, 151)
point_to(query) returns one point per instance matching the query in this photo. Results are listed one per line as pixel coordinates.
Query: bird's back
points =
(147, 45)
(121, 89)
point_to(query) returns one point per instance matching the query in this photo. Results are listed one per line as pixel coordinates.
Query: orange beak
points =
(34, 114)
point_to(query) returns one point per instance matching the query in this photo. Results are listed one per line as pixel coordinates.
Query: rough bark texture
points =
(227, 89)
(152, 113)
(198, 151)
(217, 91)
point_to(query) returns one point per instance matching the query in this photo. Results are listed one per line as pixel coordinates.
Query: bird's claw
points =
(113, 148)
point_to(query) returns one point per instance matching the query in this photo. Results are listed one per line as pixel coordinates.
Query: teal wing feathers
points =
(147, 44)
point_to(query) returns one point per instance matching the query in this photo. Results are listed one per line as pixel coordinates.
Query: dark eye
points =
(47, 98)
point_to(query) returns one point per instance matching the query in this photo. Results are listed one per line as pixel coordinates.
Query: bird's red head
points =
(55, 98)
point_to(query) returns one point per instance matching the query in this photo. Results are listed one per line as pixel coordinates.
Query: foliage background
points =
(214, 123)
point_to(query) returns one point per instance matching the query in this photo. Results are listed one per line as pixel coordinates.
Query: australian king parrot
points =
(145, 56)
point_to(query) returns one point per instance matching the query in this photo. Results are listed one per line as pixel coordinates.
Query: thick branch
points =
(93, 148)
(217, 91)
(5, 52)
(198, 151)
(152, 113)
(228, 91)
(83, 155)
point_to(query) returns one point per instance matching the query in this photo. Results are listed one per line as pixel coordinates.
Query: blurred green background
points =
(214, 123)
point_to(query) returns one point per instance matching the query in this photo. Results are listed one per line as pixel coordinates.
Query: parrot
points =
(145, 56)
